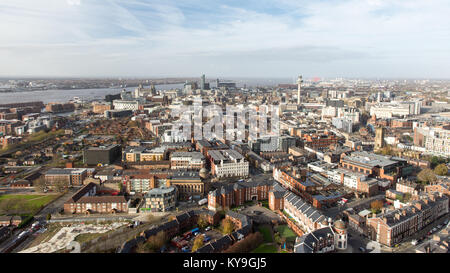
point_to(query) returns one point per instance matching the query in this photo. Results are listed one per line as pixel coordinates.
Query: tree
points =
(252, 241)
(376, 206)
(427, 176)
(49, 216)
(441, 169)
(227, 226)
(198, 242)
(40, 184)
(157, 241)
(60, 185)
(8, 205)
(202, 222)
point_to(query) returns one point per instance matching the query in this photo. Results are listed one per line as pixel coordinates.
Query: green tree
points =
(427, 176)
(198, 242)
(49, 216)
(441, 169)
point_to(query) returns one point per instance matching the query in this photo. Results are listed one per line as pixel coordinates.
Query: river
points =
(47, 96)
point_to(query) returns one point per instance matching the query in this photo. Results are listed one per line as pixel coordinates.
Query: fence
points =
(292, 225)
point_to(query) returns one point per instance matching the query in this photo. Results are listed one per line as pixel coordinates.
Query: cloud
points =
(255, 38)
(74, 2)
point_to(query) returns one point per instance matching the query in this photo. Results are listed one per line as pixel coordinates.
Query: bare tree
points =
(39, 184)
(60, 185)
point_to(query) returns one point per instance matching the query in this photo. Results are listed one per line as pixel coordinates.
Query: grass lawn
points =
(28, 203)
(265, 248)
(267, 235)
(287, 233)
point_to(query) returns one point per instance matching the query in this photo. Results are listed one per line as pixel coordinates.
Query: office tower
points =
(202, 82)
(299, 82)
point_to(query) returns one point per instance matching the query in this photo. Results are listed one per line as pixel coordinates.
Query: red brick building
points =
(86, 201)
(238, 194)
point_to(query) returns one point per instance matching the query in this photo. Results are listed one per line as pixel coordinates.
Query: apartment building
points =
(239, 193)
(305, 215)
(161, 199)
(187, 160)
(394, 226)
(143, 154)
(228, 163)
(86, 201)
(71, 176)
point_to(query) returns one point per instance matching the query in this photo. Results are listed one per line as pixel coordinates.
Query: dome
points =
(339, 224)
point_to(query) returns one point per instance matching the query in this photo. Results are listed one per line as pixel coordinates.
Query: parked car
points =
(206, 239)
(362, 249)
(414, 242)
(185, 249)
(207, 228)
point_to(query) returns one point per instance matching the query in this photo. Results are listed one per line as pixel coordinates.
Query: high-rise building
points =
(202, 82)
(299, 83)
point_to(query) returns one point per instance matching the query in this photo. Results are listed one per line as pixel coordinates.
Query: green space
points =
(287, 233)
(41, 135)
(265, 248)
(24, 204)
(266, 233)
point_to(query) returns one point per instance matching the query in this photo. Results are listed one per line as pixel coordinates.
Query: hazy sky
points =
(253, 38)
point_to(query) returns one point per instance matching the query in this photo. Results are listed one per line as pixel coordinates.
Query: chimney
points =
(397, 216)
(385, 220)
(404, 212)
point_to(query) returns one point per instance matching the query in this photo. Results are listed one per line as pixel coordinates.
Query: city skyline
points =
(277, 39)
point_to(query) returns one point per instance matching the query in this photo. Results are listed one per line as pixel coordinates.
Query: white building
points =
(437, 142)
(228, 163)
(126, 105)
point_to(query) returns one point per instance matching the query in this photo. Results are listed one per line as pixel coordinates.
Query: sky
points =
(225, 38)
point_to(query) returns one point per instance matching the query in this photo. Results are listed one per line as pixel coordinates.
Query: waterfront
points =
(65, 95)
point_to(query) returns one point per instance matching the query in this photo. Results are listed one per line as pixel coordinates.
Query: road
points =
(407, 247)
(335, 211)
(53, 207)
